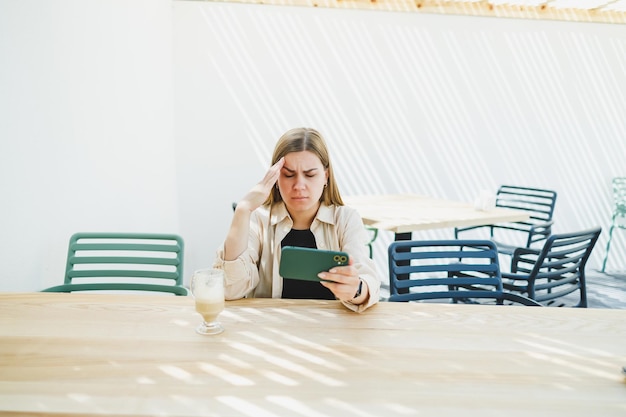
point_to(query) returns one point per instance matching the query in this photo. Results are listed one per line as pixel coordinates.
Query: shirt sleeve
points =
(353, 240)
(241, 275)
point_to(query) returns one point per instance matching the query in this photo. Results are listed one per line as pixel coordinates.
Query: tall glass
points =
(207, 288)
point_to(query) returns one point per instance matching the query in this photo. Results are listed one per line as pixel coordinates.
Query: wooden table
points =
(406, 213)
(138, 355)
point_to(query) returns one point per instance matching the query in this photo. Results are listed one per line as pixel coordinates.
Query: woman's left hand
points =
(343, 281)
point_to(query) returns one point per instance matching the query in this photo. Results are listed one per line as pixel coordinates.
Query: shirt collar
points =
(324, 214)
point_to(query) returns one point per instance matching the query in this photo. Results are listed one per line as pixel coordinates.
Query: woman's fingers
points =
(273, 173)
(258, 194)
(341, 274)
(343, 281)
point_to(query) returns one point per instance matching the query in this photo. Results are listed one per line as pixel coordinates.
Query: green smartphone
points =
(306, 263)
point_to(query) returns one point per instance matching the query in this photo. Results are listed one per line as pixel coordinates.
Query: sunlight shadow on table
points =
(226, 375)
(299, 408)
(324, 349)
(230, 313)
(287, 365)
(245, 407)
(556, 352)
(315, 360)
(266, 373)
(181, 323)
(177, 373)
(290, 314)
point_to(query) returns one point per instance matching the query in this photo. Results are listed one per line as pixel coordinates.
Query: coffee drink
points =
(207, 287)
(210, 309)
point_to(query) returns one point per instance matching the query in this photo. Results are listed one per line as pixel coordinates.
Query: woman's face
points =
(301, 182)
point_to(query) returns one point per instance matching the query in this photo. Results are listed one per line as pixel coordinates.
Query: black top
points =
(296, 288)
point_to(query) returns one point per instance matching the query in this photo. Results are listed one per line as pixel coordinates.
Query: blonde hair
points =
(305, 139)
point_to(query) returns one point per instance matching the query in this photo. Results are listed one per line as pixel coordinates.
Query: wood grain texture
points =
(92, 354)
(401, 213)
(607, 11)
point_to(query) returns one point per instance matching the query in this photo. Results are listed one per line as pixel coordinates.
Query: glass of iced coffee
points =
(207, 287)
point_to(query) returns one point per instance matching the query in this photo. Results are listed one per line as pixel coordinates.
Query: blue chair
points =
(453, 270)
(550, 275)
(539, 204)
(619, 213)
(124, 262)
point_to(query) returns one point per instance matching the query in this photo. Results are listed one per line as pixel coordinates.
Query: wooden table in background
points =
(406, 213)
(138, 355)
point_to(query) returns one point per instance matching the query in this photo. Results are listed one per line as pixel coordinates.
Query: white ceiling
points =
(605, 11)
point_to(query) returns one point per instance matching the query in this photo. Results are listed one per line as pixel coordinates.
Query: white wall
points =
(156, 115)
(433, 104)
(86, 138)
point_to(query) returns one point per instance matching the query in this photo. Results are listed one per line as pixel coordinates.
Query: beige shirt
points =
(255, 272)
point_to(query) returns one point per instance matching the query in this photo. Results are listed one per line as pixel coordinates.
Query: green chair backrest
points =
(618, 218)
(124, 262)
(619, 197)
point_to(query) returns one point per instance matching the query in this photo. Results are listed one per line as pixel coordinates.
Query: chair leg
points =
(583, 290)
(608, 246)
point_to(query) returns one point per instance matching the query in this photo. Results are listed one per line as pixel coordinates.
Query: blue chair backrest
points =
(558, 269)
(439, 269)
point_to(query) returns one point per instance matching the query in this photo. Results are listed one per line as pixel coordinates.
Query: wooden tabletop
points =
(138, 355)
(402, 213)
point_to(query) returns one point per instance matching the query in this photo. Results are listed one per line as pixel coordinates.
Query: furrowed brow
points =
(308, 171)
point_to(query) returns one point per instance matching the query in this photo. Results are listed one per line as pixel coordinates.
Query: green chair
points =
(619, 212)
(124, 262)
(373, 235)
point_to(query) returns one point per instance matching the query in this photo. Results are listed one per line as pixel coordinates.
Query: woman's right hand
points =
(237, 238)
(259, 193)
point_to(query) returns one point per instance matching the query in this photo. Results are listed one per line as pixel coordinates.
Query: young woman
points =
(297, 203)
